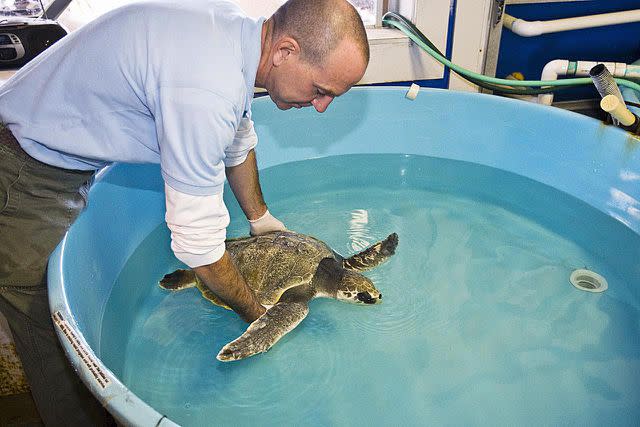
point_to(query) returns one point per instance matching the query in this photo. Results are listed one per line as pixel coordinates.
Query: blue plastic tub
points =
(596, 164)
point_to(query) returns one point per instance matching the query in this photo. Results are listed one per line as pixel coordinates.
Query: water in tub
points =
(479, 324)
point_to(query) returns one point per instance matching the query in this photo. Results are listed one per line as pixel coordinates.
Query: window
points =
(79, 12)
(21, 8)
(368, 10)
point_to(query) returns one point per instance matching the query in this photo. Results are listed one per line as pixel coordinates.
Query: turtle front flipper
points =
(373, 256)
(178, 280)
(265, 331)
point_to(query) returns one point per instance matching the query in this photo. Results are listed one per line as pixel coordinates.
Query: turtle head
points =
(357, 289)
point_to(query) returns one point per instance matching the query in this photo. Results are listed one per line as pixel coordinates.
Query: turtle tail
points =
(373, 256)
(178, 280)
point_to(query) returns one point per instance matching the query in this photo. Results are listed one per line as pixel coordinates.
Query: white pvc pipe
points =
(612, 105)
(563, 67)
(536, 28)
(551, 71)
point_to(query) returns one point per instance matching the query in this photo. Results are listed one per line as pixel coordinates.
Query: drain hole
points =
(588, 281)
(584, 283)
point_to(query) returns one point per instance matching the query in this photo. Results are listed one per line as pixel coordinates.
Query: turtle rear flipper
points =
(373, 256)
(265, 331)
(178, 280)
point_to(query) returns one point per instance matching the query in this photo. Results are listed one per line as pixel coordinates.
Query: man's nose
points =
(321, 103)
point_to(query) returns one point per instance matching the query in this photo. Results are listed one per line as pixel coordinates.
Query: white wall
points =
(470, 40)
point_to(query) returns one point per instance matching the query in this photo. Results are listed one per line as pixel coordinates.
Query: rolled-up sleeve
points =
(198, 226)
(245, 139)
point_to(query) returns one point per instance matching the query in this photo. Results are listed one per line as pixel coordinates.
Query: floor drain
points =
(587, 280)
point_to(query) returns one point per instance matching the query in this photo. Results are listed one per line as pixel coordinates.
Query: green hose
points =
(496, 88)
(524, 87)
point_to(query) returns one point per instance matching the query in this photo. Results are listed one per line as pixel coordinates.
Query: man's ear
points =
(285, 49)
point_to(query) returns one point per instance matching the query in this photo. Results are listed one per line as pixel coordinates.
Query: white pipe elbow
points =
(555, 68)
(521, 27)
(551, 71)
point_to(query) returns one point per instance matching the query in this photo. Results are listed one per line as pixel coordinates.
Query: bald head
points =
(319, 26)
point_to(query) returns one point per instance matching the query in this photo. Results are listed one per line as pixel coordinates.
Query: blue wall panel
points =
(619, 43)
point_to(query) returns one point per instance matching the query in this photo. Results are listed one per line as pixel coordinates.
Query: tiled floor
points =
(12, 379)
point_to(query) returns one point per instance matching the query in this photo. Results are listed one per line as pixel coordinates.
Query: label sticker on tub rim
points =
(87, 358)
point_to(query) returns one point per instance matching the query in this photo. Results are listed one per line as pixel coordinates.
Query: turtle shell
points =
(274, 262)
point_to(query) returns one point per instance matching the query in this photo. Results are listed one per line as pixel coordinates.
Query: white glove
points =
(265, 224)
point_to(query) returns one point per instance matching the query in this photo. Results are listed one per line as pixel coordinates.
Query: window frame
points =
(394, 58)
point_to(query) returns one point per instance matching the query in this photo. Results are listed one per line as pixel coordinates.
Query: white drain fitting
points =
(587, 280)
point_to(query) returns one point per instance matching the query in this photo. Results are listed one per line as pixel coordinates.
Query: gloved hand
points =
(265, 224)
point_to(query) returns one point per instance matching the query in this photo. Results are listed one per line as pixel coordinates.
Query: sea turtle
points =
(286, 270)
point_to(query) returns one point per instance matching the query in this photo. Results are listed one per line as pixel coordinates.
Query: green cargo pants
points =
(38, 203)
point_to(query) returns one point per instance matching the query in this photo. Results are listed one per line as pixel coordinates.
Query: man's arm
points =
(245, 184)
(224, 280)
(223, 277)
(197, 225)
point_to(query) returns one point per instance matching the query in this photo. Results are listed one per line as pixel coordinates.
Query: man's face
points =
(296, 83)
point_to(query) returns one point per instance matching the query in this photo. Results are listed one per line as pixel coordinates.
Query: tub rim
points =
(125, 405)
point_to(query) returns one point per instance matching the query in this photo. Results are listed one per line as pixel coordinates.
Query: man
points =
(164, 82)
